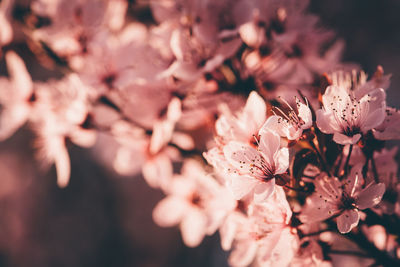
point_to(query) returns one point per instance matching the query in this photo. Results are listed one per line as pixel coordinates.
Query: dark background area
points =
(102, 219)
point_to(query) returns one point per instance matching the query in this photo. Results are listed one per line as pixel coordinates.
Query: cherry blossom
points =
(341, 198)
(256, 170)
(347, 116)
(293, 124)
(15, 96)
(240, 111)
(6, 31)
(246, 124)
(196, 202)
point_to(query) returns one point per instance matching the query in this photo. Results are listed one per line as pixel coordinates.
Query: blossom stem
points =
(380, 256)
(318, 232)
(346, 165)
(294, 189)
(321, 159)
(339, 163)
(363, 243)
(374, 170)
(352, 253)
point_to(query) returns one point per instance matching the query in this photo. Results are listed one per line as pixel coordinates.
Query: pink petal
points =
(277, 124)
(158, 171)
(193, 227)
(353, 179)
(347, 220)
(370, 196)
(83, 137)
(174, 110)
(128, 161)
(183, 140)
(374, 119)
(325, 122)
(19, 74)
(346, 140)
(62, 162)
(244, 253)
(255, 111)
(242, 185)
(162, 134)
(377, 99)
(263, 191)
(241, 156)
(169, 211)
(269, 144)
(281, 159)
(229, 229)
(305, 115)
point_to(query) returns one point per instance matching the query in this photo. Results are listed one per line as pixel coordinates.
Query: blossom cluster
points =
(240, 111)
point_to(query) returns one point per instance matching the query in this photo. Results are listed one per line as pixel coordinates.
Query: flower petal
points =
(269, 144)
(347, 220)
(241, 156)
(346, 140)
(169, 211)
(242, 185)
(325, 122)
(370, 196)
(193, 227)
(263, 191)
(281, 160)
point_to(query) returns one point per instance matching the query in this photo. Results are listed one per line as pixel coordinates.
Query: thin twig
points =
(321, 159)
(346, 165)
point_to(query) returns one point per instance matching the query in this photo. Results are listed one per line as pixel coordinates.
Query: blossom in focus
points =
(261, 235)
(255, 170)
(292, 124)
(245, 124)
(344, 199)
(347, 116)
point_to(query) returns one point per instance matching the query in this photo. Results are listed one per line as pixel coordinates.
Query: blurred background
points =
(102, 219)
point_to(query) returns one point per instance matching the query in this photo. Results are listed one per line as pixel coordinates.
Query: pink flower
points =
(195, 56)
(59, 113)
(358, 82)
(341, 198)
(75, 23)
(293, 124)
(6, 31)
(389, 129)
(15, 93)
(255, 170)
(264, 236)
(347, 115)
(310, 254)
(196, 202)
(163, 129)
(245, 124)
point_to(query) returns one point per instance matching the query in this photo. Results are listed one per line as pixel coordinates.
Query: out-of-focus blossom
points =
(390, 127)
(196, 202)
(60, 110)
(74, 25)
(6, 31)
(15, 95)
